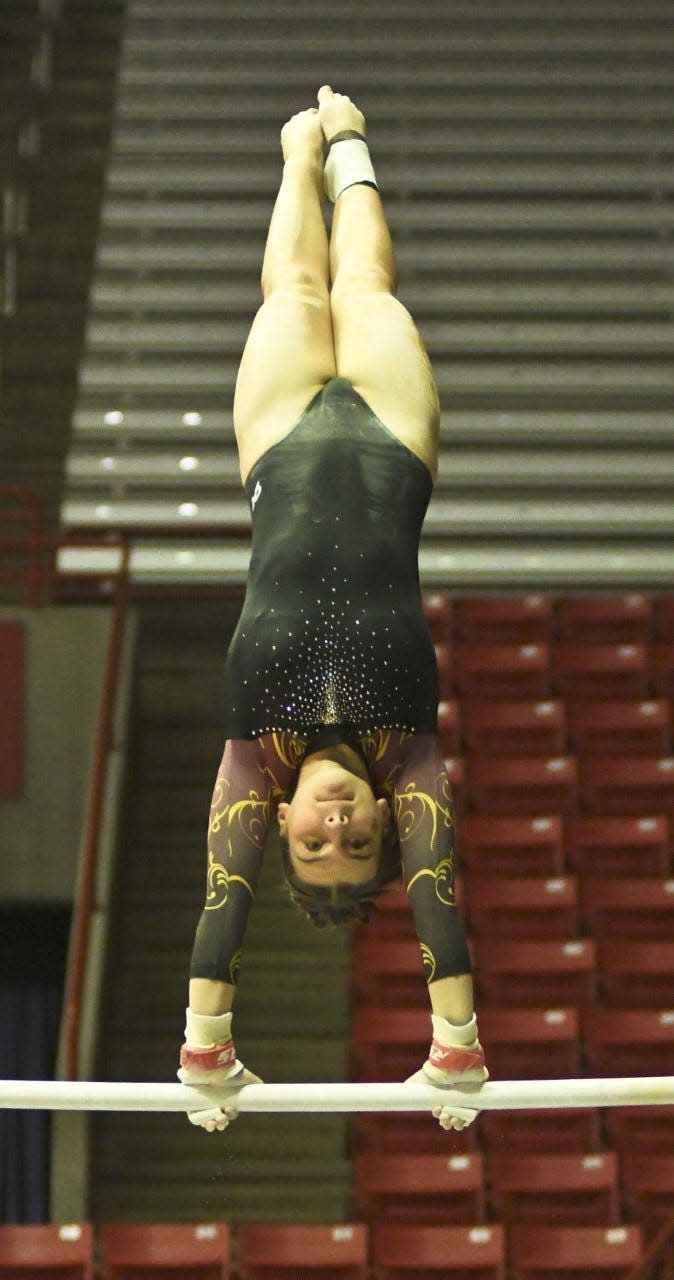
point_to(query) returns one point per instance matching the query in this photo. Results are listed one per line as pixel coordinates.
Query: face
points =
(334, 824)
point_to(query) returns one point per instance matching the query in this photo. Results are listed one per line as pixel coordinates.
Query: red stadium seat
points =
(662, 668)
(449, 731)
(519, 846)
(619, 846)
(388, 972)
(413, 1133)
(525, 1044)
(628, 907)
(619, 728)
(648, 1182)
(594, 671)
(420, 1188)
(640, 1129)
(502, 671)
(47, 1252)
(521, 972)
(516, 907)
(389, 1044)
(514, 727)
(628, 785)
(614, 619)
(392, 917)
(580, 1190)
(438, 609)
(637, 974)
(165, 1250)
(410, 1252)
(521, 728)
(503, 619)
(629, 1042)
(534, 1131)
(523, 785)
(443, 659)
(456, 773)
(573, 1253)
(274, 1251)
(663, 617)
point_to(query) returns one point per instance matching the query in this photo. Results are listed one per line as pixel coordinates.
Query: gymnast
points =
(331, 680)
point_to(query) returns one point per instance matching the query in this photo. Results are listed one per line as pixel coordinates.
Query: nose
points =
(337, 818)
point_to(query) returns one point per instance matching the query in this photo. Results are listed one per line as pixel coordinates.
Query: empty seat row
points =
(619, 972)
(522, 1043)
(598, 785)
(568, 669)
(341, 1252)
(630, 618)
(639, 1131)
(552, 727)
(543, 907)
(551, 845)
(576, 1188)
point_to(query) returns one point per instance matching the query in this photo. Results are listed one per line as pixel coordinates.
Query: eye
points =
(313, 845)
(359, 844)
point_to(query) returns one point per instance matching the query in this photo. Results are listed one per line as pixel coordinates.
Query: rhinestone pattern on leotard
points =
(332, 629)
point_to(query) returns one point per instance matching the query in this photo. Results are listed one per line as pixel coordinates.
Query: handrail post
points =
(84, 903)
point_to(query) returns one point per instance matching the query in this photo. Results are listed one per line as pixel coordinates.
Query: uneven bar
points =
(502, 1095)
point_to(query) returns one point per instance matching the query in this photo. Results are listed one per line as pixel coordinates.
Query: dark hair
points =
(338, 904)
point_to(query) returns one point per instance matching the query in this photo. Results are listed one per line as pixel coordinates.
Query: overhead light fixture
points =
(188, 509)
(189, 463)
(192, 419)
(113, 418)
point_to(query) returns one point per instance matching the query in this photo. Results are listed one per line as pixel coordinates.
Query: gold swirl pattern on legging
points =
(219, 880)
(420, 814)
(290, 749)
(234, 966)
(444, 882)
(429, 961)
(250, 815)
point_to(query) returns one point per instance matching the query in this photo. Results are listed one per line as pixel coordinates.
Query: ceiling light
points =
(188, 509)
(192, 419)
(189, 463)
(113, 418)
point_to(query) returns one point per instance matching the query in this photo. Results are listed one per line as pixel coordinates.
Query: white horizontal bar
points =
(511, 1095)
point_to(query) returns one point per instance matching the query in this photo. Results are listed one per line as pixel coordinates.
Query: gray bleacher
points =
(527, 165)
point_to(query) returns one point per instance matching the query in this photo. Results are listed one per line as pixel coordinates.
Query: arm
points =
(421, 797)
(251, 778)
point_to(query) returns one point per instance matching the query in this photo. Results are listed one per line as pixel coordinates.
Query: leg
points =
(377, 344)
(289, 354)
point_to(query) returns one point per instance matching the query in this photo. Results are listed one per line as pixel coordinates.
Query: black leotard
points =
(332, 633)
(332, 627)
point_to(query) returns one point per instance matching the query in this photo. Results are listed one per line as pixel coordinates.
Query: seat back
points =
(569, 1253)
(573, 1189)
(420, 1188)
(51, 1250)
(418, 1252)
(526, 972)
(165, 1250)
(274, 1251)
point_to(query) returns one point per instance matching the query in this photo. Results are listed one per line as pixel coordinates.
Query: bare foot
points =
(303, 136)
(337, 112)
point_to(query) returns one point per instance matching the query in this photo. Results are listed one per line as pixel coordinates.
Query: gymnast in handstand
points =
(331, 680)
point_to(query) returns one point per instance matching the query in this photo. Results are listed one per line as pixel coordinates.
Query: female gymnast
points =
(331, 680)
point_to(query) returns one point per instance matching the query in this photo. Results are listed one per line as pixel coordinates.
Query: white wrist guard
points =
(348, 163)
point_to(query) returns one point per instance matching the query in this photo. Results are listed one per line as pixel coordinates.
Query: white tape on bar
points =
(506, 1095)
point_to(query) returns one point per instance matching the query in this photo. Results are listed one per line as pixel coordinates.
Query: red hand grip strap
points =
(456, 1060)
(216, 1058)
